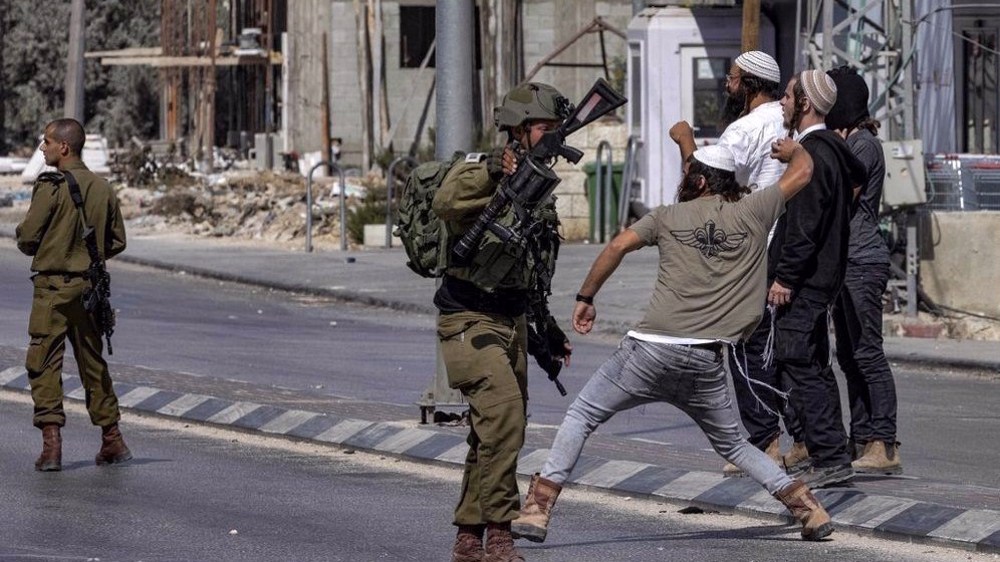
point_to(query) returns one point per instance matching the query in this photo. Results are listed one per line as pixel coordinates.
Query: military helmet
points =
(530, 102)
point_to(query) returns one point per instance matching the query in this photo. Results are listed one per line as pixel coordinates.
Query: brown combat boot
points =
(113, 449)
(533, 521)
(797, 458)
(500, 544)
(51, 458)
(468, 544)
(806, 508)
(879, 457)
(772, 450)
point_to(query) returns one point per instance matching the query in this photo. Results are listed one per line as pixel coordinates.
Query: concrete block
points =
(375, 236)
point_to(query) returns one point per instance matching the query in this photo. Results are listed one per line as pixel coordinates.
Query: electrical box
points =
(905, 184)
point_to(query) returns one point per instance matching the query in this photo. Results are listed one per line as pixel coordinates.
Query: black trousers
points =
(857, 321)
(802, 351)
(761, 425)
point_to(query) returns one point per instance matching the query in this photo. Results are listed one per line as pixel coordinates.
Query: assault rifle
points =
(97, 297)
(534, 179)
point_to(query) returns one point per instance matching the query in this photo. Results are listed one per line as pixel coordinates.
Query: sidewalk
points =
(379, 277)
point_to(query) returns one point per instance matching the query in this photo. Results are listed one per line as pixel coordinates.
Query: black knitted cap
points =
(852, 99)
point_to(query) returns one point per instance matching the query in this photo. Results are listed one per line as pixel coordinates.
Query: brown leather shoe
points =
(879, 457)
(468, 544)
(113, 449)
(532, 522)
(500, 544)
(807, 510)
(797, 458)
(51, 458)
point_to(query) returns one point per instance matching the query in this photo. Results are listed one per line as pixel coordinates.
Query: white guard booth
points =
(678, 60)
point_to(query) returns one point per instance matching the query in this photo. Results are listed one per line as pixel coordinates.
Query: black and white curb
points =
(851, 509)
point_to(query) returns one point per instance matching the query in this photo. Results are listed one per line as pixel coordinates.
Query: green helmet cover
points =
(531, 102)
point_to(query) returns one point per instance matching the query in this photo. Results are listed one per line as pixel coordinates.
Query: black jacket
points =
(809, 249)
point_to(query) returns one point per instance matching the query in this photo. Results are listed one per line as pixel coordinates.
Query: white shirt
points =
(749, 138)
(802, 134)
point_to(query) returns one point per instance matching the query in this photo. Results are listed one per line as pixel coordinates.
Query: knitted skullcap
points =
(717, 157)
(759, 64)
(820, 89)
(852, 99)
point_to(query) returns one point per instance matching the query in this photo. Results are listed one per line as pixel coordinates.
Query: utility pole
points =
(73, 107)
(751, 25)
(453, 108)
(455, 25)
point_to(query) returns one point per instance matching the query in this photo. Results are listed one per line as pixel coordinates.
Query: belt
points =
(66, 275)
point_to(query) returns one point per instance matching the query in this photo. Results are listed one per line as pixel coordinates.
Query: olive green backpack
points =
(421, 232)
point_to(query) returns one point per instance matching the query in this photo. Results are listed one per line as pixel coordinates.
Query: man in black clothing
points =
(806, 264)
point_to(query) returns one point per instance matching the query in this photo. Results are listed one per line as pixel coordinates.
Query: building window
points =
(416, 35)
(709, 94)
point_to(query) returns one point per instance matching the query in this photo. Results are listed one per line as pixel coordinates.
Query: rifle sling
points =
(90, 238)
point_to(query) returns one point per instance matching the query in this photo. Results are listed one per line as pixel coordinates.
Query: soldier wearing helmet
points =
(483, 325)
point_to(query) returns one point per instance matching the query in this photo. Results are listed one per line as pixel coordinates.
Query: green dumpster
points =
(603, 230)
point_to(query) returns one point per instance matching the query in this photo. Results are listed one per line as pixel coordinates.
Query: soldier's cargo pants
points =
(57, 313)
(486, 359)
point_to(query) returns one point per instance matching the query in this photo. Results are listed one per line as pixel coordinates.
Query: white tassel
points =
(743, 368)
(768, 354)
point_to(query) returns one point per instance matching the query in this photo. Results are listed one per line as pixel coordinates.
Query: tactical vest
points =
(526, 262)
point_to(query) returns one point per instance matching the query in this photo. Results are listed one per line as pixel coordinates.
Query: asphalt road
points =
(194, 493)
(308, 348)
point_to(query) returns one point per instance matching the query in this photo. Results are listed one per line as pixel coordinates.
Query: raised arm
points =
(800, 166)
(605, 264)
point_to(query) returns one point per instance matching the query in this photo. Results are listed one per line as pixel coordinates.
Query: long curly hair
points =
(719, 182)
(799, 99)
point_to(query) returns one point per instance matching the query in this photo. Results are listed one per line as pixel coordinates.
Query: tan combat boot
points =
(533, 521)
(772, 450)
(879, 457)
(804, 506)
(468, 544)
(51, 458)
(797, 458)
(500, 544)
(113, 449)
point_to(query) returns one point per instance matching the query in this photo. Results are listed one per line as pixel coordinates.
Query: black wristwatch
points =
(584, 299)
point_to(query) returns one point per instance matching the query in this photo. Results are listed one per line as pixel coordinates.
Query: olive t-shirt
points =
(713, 265)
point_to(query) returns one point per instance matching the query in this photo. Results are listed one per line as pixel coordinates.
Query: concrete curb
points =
(852, 510)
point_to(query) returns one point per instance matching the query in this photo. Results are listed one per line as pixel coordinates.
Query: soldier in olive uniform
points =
(52, 232)
(483, 329)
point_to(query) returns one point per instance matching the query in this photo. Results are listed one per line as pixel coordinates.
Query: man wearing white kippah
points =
(711, 273)
(752, 92)
(806, 264)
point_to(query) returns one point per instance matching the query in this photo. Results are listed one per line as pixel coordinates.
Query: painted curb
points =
(852, 510)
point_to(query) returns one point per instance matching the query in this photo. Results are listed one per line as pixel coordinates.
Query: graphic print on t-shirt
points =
(709, 240)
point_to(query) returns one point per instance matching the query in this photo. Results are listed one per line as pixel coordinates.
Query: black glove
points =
(540, 347)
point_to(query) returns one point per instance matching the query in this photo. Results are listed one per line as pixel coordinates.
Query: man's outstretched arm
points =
(605, 264)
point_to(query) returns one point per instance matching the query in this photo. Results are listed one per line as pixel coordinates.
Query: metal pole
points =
(73, 107)
(454, 75)
(912, 263)
(454, 123)
(343, 204)
(602, 196)
(390, 194)
(628, 178)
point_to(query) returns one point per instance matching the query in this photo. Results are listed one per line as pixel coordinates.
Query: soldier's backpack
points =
(422, 233)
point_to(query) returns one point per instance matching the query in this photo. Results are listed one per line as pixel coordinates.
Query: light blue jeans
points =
(639, 372)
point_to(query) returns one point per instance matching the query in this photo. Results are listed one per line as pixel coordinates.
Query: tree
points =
(120, 101)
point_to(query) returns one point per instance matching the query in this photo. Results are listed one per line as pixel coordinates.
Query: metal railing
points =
(390, 193)
(628, 179)
(343, 205)
(603, 194)
(964, 182)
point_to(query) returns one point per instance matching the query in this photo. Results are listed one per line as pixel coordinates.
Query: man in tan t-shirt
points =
(712, 248)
